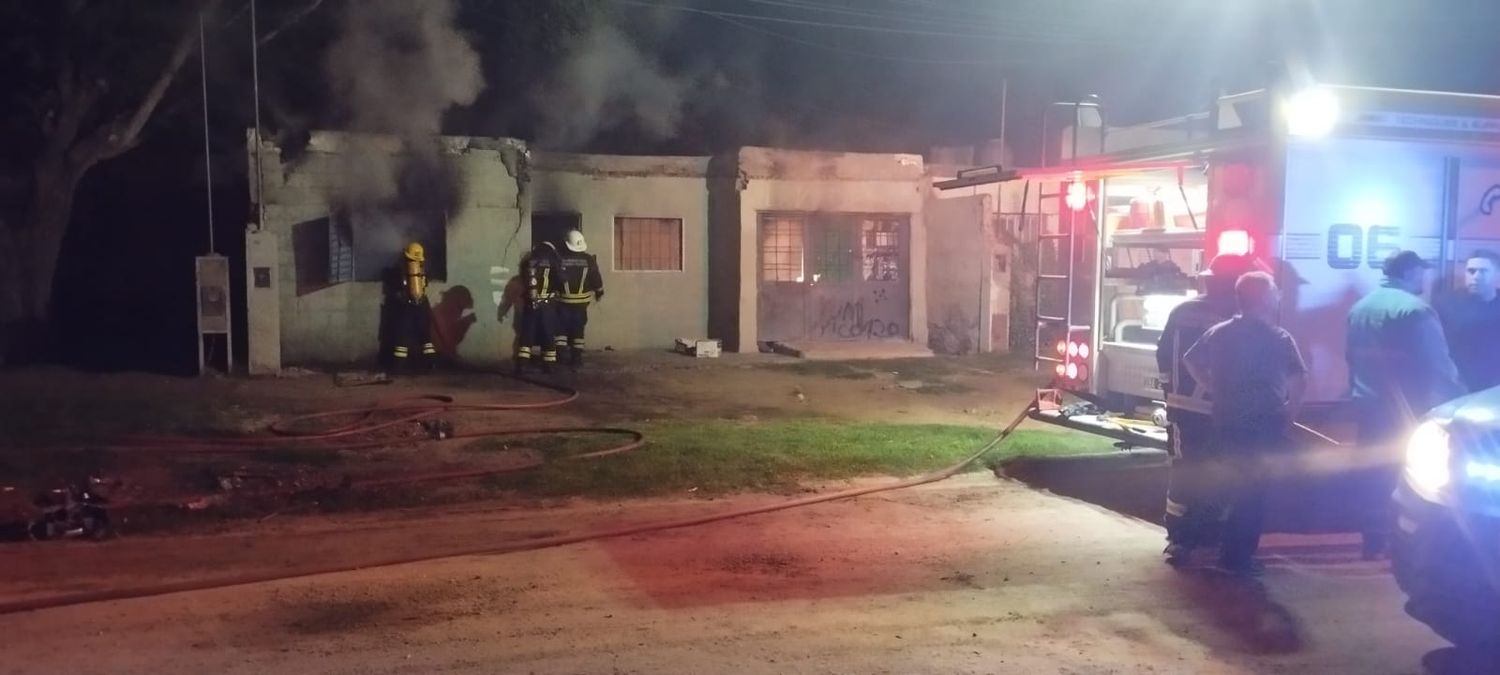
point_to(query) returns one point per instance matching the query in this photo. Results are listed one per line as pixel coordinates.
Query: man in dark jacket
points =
(1471, 321)
(1192, 508)
(1399, 368)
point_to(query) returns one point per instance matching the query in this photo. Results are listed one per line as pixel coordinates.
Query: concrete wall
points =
(1013, 251)
(786, 180)
(340, 323)
(640, 310)
(724, 243)
(263, 301)
(959, 275)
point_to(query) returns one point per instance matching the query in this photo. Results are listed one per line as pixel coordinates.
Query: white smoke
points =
(606, 81)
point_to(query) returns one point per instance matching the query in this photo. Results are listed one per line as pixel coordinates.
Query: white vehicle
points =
(1318, 185)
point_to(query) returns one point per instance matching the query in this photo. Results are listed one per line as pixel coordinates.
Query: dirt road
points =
(973, 575)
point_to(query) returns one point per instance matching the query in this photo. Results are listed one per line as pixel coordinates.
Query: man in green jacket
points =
(1399, 368)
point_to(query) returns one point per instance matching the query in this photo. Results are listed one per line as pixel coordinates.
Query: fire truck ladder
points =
(1056, 248)
(1066, 246)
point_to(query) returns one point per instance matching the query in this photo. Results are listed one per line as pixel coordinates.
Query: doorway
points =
(553, 226)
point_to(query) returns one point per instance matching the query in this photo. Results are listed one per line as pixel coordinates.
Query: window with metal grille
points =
(881, 239)
(366, 245)
(648, 244)
(835, 253)
(781, 248)
(340, 249)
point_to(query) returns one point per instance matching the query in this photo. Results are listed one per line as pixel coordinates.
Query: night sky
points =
(878, 75)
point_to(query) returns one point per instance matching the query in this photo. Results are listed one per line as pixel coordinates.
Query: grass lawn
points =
(723, 456)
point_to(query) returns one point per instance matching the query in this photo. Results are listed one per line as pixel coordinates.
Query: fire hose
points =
(413, 412)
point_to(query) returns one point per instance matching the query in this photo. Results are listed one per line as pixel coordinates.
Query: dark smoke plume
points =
(395, 69)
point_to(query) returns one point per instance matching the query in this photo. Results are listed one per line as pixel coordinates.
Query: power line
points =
(863, 54)
(987, 22)
(828, 9)
(1052, 39)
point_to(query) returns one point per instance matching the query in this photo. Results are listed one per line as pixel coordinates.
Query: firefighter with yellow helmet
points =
(413, 314)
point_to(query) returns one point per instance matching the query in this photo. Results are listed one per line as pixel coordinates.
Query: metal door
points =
(781, 307)
(833, 276)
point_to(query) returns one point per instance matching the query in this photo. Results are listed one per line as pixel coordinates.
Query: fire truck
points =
(1318, 184)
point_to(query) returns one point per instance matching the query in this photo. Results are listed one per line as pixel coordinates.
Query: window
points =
(340, 251)
(648, 244)
(781, 247)
(367, 245)
(835, 252)
(882, 249)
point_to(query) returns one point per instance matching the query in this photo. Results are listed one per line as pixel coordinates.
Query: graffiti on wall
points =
(848, 321)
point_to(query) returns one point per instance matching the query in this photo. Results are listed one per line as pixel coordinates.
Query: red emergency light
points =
(1079, 195)
(1235, 242)
(1074, 366)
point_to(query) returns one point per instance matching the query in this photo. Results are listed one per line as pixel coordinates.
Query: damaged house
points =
(815, 253)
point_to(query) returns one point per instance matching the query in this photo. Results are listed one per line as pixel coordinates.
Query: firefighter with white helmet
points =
(1193, 510)
(581, 284)
(412, 320)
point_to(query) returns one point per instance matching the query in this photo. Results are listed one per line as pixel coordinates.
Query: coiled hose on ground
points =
(429, 407)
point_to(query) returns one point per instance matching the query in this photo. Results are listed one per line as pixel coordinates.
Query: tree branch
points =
(309, 8)
(116, 136)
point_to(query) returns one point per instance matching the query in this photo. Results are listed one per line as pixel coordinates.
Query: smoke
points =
(606, 82)
(396, 67)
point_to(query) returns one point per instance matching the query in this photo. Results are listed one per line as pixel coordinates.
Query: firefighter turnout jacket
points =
(542, 271)
(581, 280)
(1187, 322)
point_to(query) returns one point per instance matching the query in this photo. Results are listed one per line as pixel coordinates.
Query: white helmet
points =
(575, 242)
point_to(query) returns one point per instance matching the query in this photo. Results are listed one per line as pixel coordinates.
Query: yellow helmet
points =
(414, 252)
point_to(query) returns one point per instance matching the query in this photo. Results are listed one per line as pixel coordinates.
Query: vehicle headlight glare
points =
(1312, 112)
(1428, 458)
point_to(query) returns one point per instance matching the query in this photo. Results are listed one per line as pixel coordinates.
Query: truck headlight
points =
(1429, 459)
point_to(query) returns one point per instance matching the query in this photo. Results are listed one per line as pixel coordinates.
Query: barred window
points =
(835, 252)
(340, 249)
(781, 248)
(648, 244)
(362, 246)
(882, 249)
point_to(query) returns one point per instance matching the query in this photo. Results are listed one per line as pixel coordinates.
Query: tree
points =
(88, 75)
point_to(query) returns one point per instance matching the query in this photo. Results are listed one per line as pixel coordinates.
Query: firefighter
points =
(581, 284)
(413, 314)
(1192, 509)
(537, 326)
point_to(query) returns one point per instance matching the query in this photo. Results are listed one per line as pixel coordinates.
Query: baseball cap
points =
(1228, 265)
(1398, 264)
